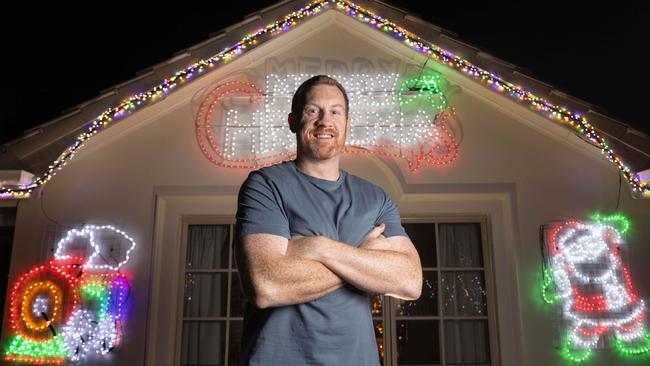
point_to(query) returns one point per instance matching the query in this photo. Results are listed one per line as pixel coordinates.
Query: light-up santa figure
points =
(593, 285)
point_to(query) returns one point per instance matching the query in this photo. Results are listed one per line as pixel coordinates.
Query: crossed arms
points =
(275, 271)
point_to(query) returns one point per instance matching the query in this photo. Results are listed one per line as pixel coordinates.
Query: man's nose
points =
(325, 120)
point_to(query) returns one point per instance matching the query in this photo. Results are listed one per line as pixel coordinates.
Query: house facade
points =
(499, 186)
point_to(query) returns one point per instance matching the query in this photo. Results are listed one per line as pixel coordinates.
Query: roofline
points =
(432, 34)
(258, 15)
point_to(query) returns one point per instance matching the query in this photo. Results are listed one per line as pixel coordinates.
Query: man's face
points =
(324, 123)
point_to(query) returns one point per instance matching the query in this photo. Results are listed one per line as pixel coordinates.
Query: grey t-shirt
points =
(337, 328)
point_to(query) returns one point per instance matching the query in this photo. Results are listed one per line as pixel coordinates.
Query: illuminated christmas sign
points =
(239, 124)
(586, 276)
(73, 306)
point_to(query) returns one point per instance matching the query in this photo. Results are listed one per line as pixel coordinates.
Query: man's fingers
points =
(377, 230)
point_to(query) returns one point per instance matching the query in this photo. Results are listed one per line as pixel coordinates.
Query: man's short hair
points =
(300, 96)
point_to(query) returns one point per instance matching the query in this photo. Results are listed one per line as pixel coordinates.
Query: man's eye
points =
(310, 110)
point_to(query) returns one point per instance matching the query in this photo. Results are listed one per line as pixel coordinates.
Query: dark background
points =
(57, 56)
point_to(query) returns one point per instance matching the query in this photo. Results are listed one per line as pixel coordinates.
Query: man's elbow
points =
(263, 297)
(409, 291)
(261, 302)
(255, 291)
(414, 292)
(413, 289)
(416, 281)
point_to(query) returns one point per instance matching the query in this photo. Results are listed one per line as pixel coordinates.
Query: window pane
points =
(463, 293)
(379, 334)
(237, 299)
(377, 305)
(460, 245)
(234, 258)
(466, 342)
(427, 304)
(417, 342)
(203, 343)
(207, 247)
(234, 340)
(206, 294)
(423, 237)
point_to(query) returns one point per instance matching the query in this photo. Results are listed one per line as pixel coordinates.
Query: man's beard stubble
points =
(323, 150)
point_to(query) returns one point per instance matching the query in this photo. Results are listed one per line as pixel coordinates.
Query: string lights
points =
(70, 307)
(428, 86)
(240, 125)
(562, 115)
(90, 232)
(586, 275)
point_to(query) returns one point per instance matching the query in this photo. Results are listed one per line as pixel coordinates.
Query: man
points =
(312, 242)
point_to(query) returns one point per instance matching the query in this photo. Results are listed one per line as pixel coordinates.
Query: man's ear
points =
(293, 122)
(348, 125)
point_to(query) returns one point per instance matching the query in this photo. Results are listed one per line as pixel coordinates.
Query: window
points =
(213, 304)
(450, 324)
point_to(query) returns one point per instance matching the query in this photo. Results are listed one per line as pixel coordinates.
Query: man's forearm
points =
(298, 280)
(293, 280)
(375, 271)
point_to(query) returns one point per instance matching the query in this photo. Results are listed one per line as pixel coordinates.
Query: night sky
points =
(59, 56)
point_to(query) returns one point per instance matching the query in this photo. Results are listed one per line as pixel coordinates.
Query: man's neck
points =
(323, 169)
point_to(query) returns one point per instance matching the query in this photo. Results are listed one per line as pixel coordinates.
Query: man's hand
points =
(375, 240)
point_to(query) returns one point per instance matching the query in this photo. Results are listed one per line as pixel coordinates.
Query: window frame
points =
(185, 224)
(390, 320)
(388, 304)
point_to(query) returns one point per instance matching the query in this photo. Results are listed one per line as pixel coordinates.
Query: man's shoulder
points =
(273, 171)
(364, 184)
